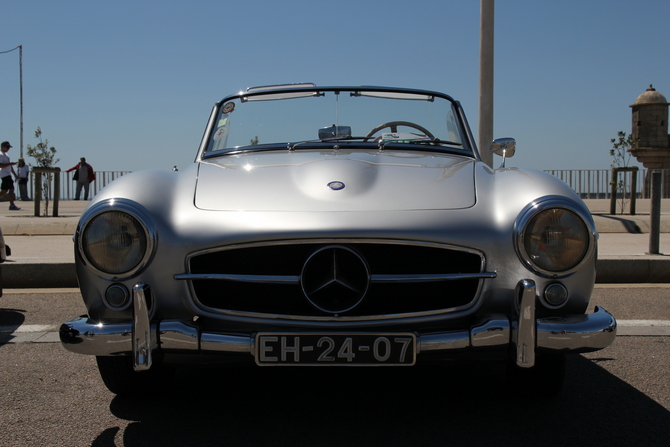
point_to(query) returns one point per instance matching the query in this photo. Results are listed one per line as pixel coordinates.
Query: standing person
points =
(6, 171)
(23, 175)
(84, 175)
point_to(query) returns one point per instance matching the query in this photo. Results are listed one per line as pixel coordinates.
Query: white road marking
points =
(29, 328)
(643, 323)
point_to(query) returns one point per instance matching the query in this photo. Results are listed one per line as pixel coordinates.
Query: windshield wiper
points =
(292, 146)
(423, 141)
(347, 138)
(436, 141)
(380, 144)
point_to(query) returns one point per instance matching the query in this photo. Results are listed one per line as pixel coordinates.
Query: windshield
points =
(308, 117)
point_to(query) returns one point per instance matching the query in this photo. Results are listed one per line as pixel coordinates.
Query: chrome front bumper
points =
(526, 334)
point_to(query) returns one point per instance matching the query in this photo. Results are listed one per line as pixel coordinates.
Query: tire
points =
(120, 378)
(542, 381)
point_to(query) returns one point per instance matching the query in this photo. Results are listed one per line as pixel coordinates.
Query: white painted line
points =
(643, 323)
(643, 331)
(29, 328)
(48, 337)
(51, 291)
(632, 286)
(27, 337)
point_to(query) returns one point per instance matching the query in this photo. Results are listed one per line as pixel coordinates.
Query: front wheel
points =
(121, 378)
(542, 381)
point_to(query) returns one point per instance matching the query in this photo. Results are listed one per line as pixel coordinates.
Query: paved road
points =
(617, 396)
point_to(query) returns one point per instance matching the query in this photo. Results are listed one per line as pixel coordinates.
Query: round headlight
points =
(114, 242)
(556, 240)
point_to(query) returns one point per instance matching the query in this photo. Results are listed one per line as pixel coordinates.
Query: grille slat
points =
(384, 259)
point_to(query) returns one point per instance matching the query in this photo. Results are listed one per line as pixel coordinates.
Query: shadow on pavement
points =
(464, 406)
(10, 321)
(630, 225)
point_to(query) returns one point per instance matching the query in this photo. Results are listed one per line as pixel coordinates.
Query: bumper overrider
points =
(525, 335)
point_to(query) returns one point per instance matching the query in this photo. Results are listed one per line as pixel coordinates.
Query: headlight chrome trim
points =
(135, 211)
(535, 208)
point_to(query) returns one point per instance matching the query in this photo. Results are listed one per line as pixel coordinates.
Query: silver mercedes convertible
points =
(337, 226)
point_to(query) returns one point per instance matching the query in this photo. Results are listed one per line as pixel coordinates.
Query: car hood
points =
(335, 180)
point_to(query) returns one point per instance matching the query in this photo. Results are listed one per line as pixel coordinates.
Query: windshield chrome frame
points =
(304, 90)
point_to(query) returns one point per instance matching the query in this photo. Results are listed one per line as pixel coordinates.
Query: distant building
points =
(650, 128)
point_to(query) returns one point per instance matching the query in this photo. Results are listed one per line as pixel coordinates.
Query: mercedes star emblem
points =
(335, 279)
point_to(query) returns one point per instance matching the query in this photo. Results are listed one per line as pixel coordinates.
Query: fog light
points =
(555, 295)
(117, 297)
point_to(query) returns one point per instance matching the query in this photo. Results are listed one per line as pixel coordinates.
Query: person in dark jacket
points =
(83, 175)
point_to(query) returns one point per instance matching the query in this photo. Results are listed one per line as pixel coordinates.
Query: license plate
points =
(341, 349)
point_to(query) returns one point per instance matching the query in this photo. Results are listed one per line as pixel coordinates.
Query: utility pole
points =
(486, 80)
(20, 48)
(21, 92)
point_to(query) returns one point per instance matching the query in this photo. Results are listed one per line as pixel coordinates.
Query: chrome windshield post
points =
(141, 328)
(526, 327)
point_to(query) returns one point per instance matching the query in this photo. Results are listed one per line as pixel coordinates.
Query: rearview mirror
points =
(334, 132)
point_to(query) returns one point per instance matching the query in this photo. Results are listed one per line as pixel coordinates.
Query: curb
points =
(59, 272)
(633, 269)
(627, 224)
(38, 276)
(613, 270)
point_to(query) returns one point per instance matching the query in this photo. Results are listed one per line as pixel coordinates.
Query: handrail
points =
(587, 183)
(597, 183)
(67, 187)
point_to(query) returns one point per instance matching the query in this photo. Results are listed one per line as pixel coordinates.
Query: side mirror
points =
(505, 147)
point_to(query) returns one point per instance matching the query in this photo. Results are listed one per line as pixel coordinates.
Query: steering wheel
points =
(393, 125)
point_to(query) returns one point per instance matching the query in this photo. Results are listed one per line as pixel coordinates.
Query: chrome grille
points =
(404, 278)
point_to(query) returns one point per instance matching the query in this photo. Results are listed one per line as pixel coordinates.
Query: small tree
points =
(621, 158)
(45, 157)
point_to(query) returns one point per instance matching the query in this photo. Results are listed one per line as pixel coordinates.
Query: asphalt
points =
(43, 250)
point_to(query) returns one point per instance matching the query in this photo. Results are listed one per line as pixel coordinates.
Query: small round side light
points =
(117, 297)
(555, 295)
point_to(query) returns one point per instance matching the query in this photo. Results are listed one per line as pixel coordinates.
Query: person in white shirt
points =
(23, 176)
(6, 171)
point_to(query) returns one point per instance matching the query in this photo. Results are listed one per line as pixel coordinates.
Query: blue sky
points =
(130, 84)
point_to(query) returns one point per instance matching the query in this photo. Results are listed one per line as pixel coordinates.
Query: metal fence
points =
(588, 183)
(68, 187)
(596, 183)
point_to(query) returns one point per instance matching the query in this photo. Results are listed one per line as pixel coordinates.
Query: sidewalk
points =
(43, 251)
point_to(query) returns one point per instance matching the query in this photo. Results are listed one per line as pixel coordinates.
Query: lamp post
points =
(486, 80)
(20, 48)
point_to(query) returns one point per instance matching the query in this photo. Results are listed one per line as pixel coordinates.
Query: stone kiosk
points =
(650, 129)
